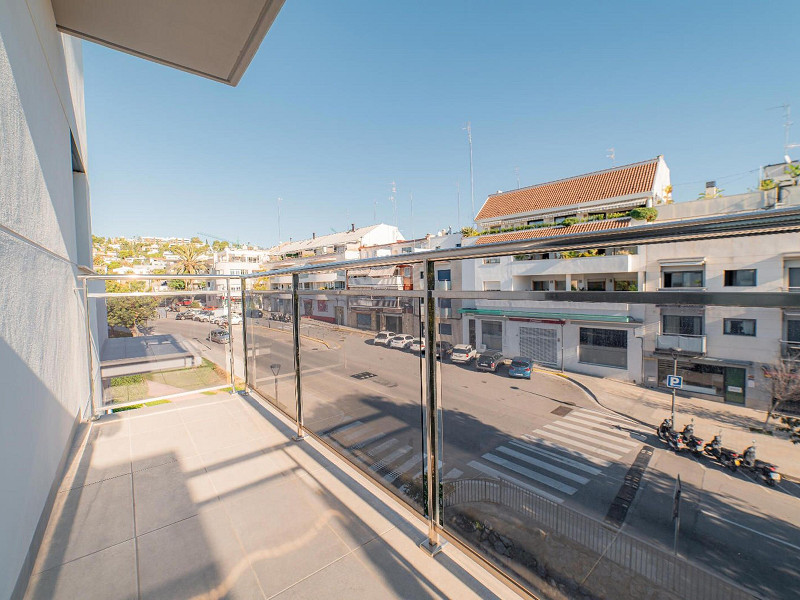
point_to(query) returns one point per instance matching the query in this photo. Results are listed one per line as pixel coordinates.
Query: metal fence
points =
(667, 571)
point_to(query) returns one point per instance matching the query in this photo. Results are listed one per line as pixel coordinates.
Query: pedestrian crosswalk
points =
(554, 461)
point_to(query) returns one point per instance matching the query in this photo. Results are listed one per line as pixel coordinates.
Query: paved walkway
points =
(210, 498)
(734, 422)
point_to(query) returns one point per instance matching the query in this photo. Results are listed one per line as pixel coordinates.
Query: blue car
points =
(520, 367)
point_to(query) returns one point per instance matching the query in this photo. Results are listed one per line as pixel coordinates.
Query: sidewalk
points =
(734, 422)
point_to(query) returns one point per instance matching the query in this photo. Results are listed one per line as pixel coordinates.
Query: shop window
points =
(607, 347)
(739, 327)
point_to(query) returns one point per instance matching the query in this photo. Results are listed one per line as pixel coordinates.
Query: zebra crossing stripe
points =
(563, 439)
(607, 416)
(381, 447)
(581, 434)
(562, 459)
(390, 458)
(338, 430)
(553, 446)
(395, 473)
(498, 475)
(361, 433)
(373, 438)
(612, 439)
(454, 474)
(541, 464)
(531, 474)
(592, 421)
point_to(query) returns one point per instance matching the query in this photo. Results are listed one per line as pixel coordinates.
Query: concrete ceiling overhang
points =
(211, 38)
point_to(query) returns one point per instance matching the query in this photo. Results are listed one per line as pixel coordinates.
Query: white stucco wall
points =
(43, 361)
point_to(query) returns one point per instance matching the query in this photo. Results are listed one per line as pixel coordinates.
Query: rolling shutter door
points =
(539, 344)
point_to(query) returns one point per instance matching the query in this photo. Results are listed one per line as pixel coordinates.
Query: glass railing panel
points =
(157, 345)
(362, 394)
(557, 474)
(270, 347)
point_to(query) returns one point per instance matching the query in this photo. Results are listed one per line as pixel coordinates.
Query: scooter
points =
(663, 430)
(766, 471)
(727, 457)
(695, 444)
(676, 441)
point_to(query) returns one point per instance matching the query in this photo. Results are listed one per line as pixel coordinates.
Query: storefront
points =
(707, 377)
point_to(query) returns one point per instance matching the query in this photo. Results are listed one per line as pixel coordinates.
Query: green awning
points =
(549, 315)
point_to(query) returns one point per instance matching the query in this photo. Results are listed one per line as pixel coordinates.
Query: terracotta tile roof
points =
(620, 181)
(543, 232)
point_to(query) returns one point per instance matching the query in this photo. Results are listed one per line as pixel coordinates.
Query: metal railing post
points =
(89, 347)
(431, 544)
(230, 335)
(244, 336)
(296, 338)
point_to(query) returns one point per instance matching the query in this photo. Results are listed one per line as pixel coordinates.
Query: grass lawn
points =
(206, 375)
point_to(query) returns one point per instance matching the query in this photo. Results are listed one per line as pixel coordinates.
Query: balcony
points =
(682, 344)
(443, 286)
(790, 350)
(622, 263)
(383, 283)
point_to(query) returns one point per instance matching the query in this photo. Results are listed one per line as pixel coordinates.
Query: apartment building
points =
(635, 342)
(235, 262)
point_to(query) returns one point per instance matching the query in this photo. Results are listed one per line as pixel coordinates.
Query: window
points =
(492, 334)
(683, 279)
(443, 275)
(561, 285)
(445, 303)
(406, 271)
(623, 285)
(539, 286)
(406, 250)
(322, 306)
(794, 277)
(793, 330)
(682, 324)
(491, 286)
(338, 285)
(491, 261)
(607, 347)
(739, 327)
(598, 285)
(740, 278)
(445, 329)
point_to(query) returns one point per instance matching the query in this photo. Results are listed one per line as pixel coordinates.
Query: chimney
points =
(314, 235)
(352, 226)
(711, 189)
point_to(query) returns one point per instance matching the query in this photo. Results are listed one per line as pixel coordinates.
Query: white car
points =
(463, 353)
(383, 338)
(417, 345)
(401, 341)
(204, 315)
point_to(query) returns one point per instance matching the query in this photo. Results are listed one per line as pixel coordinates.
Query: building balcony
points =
(444, 286)
(384, 283)
(622, 263)
(790, 350)
(682, 344)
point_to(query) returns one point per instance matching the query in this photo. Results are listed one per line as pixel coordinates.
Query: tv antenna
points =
(279, 220)
(458, 205)
(787, 127)
(393, 199)
(612, 155)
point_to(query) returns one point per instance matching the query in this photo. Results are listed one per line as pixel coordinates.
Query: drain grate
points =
(363, 375)
(561, 411)
(627, 492)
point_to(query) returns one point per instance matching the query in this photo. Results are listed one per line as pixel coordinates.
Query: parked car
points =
(255, 313)
(417, 345)
(235, 319)
(489, 361)
(220, 336)
(383, 338)
(204, 316)
(443, 350)
(401, 341)
(520, 367)
(463, 353)
(187, 314)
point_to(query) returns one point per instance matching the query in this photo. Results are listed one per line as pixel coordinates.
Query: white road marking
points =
(373, 438)
(592, 420)
(339, 430)
(454, 474)
(543, 465)
(570, 442)
(769, 537)
(608, 415)
(607, 437)
(494, 473)
(553, 456)
(381, 447)
(552, 445)
(414, 460)
(362, 433)
(579, 433)
(531, 474)
(388, 459)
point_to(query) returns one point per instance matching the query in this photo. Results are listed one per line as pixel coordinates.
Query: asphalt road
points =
(544, 435)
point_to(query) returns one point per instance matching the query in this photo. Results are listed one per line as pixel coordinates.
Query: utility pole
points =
(279, 220)
(468, 128)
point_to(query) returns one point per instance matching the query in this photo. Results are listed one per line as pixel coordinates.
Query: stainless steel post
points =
(431, 544)
(89, 347)
(674, 372)
(244, 336)
(296, 337)
(230, 336)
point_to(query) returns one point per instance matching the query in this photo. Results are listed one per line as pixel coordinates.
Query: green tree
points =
(176, 284)
(189, 262)
(645, 213)
(219, 245)
(469, 231)
(130, 312)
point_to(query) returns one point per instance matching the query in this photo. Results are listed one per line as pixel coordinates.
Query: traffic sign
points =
(674, 381)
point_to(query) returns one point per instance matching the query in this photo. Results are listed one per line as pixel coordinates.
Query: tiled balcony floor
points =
(210, 498)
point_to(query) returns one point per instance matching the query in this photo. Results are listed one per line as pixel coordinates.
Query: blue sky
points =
(345, 97)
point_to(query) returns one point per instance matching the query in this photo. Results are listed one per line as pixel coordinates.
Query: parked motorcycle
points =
(727, 457)
(663, 430)
(764, 470)
(676, 441)
(695, 444)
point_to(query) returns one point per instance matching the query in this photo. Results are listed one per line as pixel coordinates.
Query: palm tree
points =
(189, 262)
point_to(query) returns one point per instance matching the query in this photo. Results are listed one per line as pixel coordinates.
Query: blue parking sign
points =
(674, 381)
